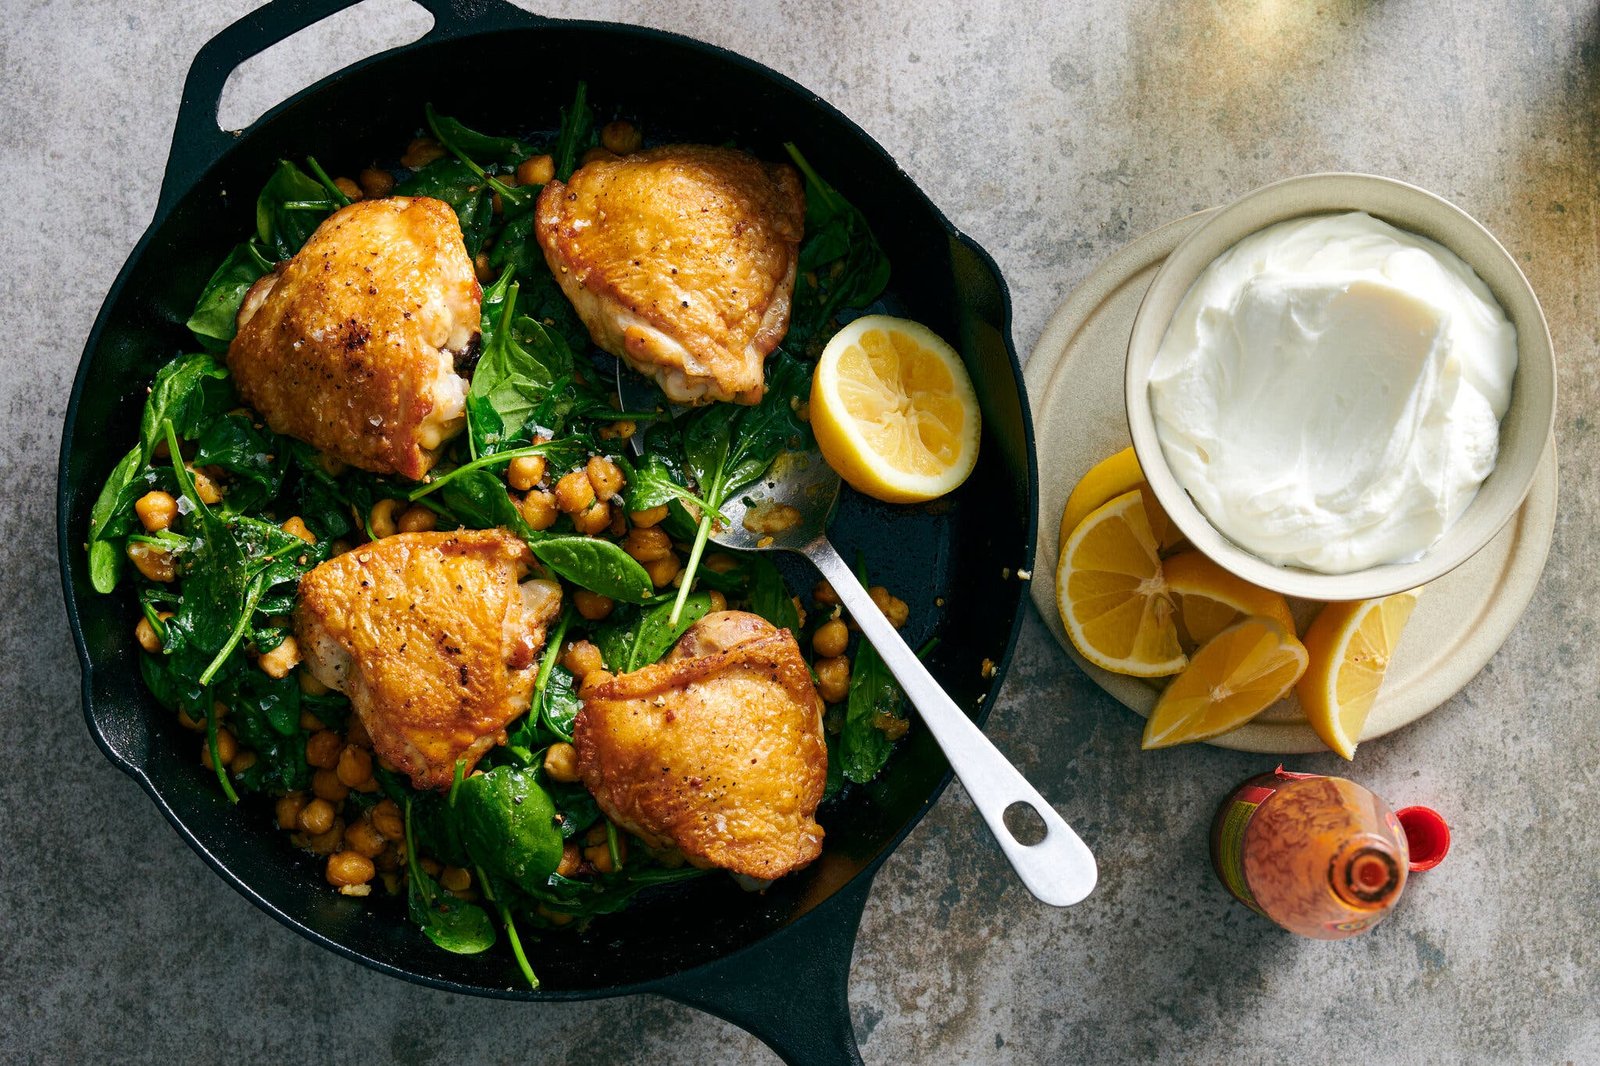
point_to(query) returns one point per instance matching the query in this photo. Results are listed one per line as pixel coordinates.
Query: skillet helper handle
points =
(1059, 869)
(791, 989)
(198, 142)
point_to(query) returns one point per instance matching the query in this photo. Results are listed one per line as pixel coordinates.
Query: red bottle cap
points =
(1427, 836)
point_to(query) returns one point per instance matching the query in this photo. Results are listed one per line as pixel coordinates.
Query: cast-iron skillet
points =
(777, 963)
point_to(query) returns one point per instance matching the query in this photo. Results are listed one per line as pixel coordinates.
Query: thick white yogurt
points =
(1330, 392)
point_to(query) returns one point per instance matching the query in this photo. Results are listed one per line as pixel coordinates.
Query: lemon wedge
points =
(1239, 673)
(1210, 599)
(1112, 477)
(1350, 645)
(1112, 596)
(894, 411)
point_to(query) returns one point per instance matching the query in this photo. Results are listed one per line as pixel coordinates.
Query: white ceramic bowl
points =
(1524, 432)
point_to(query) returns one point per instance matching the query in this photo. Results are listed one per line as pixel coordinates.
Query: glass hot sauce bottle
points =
(1321, 856)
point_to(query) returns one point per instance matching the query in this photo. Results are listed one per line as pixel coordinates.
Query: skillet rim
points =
(67, 552)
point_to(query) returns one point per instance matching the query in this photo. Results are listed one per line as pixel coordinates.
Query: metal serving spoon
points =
(1059, 868)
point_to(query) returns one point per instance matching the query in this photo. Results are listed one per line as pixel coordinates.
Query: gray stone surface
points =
(1053, 133)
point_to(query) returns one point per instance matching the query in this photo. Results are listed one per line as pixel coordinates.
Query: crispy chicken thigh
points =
(716, 751)
(352, 344)
(680, 260)
(433, 640)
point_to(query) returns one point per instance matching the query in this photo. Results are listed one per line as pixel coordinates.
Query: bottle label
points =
(1228, 854)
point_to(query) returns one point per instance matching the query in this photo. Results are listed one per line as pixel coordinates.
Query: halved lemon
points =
(1112, 477)
(1350, 645)
(1112, 596)
(1209, 599)
(894, 411)
(1239, 673)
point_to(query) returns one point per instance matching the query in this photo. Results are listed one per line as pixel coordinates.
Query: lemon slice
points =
(1239, 673)
(1209, 599)
(1112, 596)
(1350, 646)
(1109, 478)
(894, 411)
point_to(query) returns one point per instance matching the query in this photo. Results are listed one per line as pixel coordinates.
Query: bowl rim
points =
(1341, 191)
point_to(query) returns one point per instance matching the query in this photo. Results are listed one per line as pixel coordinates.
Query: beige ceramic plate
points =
(1075, 387)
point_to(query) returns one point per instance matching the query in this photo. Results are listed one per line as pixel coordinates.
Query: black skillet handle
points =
(791, 990)
(197, 141)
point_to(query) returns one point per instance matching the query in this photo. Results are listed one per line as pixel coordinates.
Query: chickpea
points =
(647, 544)
(480, 262)
(297, 526)
(355, 732)
(375, 183)
(193, 725)
(227, 748)
(364, 838)
(582, 659)
(420, 152)
(430, 865)
(310, 686)
(561, 762)
(536, 170)
(597, 154)
(310, 721)
(351, 190)
(662, 571)
(831, 638)
(525, 472)
(387, 819)
(242, 761)
(382, 519)
(204, 487)
(893, 608)
(592, 605)
(571, 857)
(151, 561)
(455, 879)
(355, 766)
(619, 429)
(322, 749)
(417, 519)
(327, 843)
(280, 660)
(833, 678)
(621, 137)
(325, 784)
(156, 510)
(599, 855)
(823, 593)
(605, 476)
(721, 563)
(539, 509)
(719, 602)
(349, 868)
(619, 520)
(316, 817)
(288, 810)
(575, 492)
(596, 519)
(645, 519)
(145, 634)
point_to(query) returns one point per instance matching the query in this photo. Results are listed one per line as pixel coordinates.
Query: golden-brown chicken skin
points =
(352, 344)
(680, 260)
(716, 751)
(433, 639)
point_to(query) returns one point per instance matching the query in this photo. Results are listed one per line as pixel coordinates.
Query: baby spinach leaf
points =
(607, 894)
(478, 499)
(251, 453)
(108, 521)
(512, 383)
(841, 262)
(597, 565)
(508, 825)
(769, 597)
(505, 151)
(577, 133)
(455, 925)
(559, 703)
(575, 806)
(641, 638)
(187, 392)
(291, 206)
(863, 747)
(215, 316)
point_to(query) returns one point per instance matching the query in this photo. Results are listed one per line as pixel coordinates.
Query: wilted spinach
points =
(841, 262)
(633, 639)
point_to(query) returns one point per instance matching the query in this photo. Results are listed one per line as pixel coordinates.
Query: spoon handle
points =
(1059, 869)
